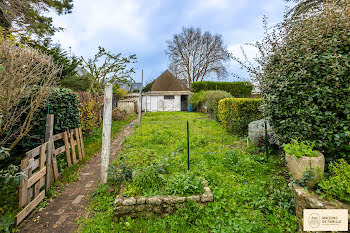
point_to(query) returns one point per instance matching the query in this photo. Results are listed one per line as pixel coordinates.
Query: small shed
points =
(168, 94)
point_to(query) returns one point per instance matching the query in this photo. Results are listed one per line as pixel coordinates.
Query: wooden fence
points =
(130, 106)
(40, 166)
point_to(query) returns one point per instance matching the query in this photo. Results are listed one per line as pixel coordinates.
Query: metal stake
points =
(188, 146)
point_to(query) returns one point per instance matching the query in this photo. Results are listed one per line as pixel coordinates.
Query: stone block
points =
(141, 200)
(207, 197)
(156, 200)
(129, 201)
(196, 198)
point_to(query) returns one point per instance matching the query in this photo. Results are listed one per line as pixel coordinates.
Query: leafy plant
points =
(184, 184)
(236, 89)
(300, 148)
(147, 179)
(303, 73)
(236, 113)
(337, 185)
(208, 100)
(119, 173)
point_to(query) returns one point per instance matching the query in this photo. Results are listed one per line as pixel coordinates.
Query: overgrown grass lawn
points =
(250, 194)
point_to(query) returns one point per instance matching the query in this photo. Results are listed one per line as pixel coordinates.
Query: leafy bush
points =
(236, 113)
(337, 185)
(209, 100)
(118, 115)
(147, 179)
(184, 184)
(236, 89)
(304, 78)
(119, 173)
(64, 104)
(300, 148)
(90, 107)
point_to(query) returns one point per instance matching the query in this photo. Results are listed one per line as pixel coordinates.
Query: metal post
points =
(188, 146)
(106, 133)
(266, 142)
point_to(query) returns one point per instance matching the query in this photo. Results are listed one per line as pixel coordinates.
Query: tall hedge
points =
(306, 81)
(64, 104)
(236, 113)
(236, 89)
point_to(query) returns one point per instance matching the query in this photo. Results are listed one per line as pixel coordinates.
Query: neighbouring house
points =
(168, 94)
(131, 86)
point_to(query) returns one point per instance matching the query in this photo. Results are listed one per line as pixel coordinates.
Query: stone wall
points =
(305, 200)
(159, 205)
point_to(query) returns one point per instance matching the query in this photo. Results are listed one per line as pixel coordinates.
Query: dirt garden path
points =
(62, 212)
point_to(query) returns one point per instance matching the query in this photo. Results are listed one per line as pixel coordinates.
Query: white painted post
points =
(106, 133)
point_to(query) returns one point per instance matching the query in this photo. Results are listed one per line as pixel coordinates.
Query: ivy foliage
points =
(236, 113)
(64, 104)
(236, 89)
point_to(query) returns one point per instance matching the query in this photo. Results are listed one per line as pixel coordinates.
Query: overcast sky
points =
(142, 27)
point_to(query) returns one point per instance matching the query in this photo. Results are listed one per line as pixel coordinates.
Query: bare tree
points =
(26, 81)
(106, 67)
(194, 55)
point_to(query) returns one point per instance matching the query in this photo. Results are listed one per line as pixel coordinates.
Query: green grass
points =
(250, 195)
(9, 192)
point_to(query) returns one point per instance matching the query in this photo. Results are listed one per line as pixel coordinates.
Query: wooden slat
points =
(36, 189)
(67, 146)
(29, 207)
(59, 150)
(57, 137)
(34, 152)
(30, 172)
(32, 180)
(23, 198)
(76, 131)
(54, 163)
(72, 146)
(42, 163)
(82, 142)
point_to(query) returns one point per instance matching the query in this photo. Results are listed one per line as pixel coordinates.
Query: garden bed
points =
(159, 205)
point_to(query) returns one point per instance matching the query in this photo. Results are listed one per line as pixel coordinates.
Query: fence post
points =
(106, 133)
(48, 137)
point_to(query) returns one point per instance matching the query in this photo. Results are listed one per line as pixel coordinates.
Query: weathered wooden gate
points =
(40, 168)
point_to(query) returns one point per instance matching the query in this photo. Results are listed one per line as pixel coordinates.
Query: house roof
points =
(130, 86)
(168, 82)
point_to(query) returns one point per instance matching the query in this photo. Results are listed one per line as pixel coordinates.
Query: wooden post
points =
(77, 136)
(72, 146)
(48, 137)
(106, 133)
(82, 142)
(67, 146)
(23, 189)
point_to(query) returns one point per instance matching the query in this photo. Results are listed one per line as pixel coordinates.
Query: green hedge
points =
(236, 89)
(64, 104)
(208, 99)
(236, 113)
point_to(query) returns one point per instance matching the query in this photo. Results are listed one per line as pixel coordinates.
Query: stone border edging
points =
(160, 205)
